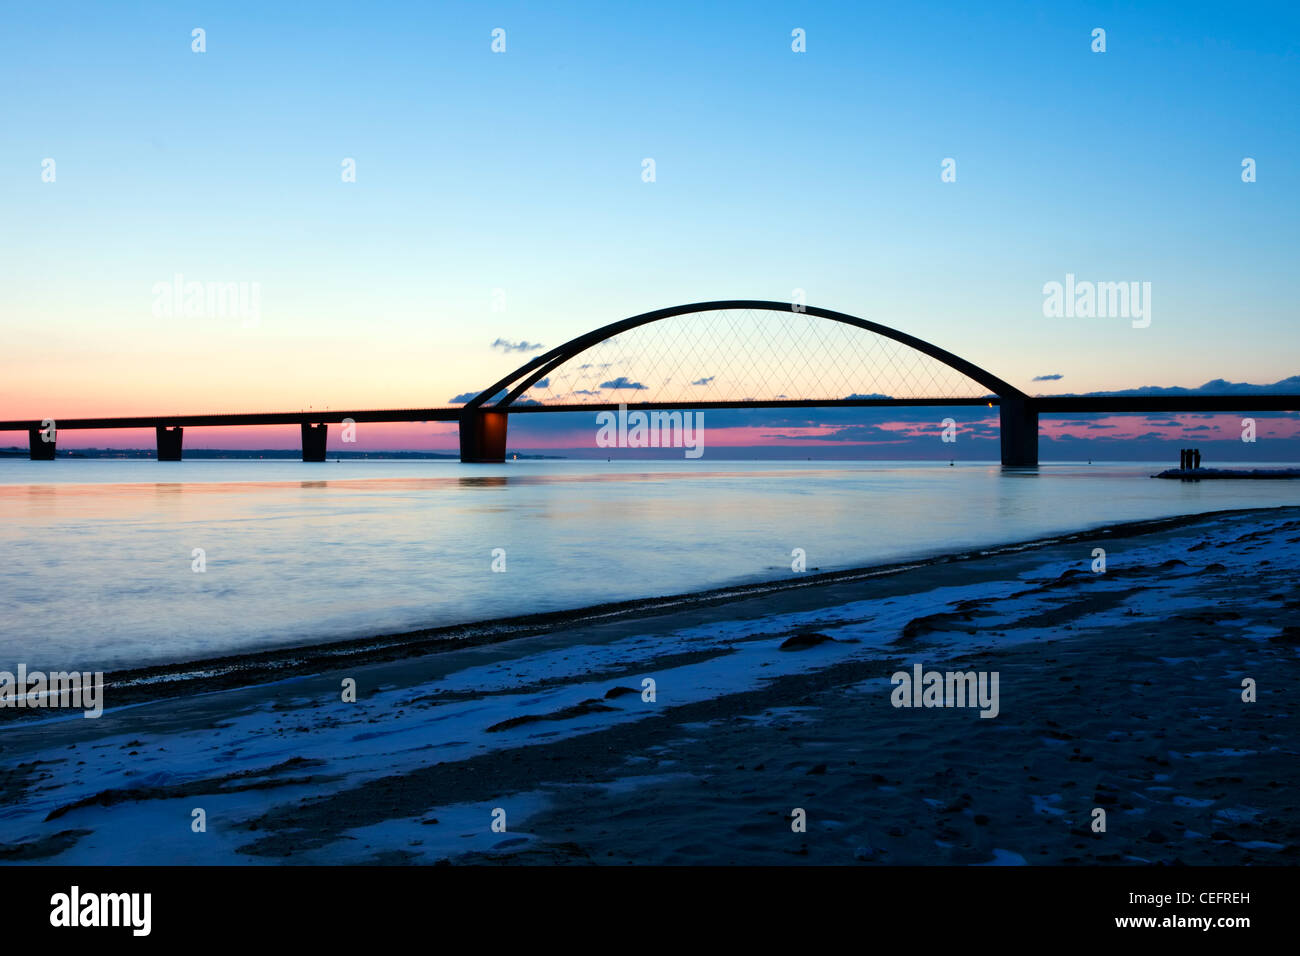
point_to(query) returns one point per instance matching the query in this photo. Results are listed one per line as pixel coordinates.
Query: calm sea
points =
(98, 557)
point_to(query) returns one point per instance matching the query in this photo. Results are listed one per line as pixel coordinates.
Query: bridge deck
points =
(243, 418)
(1044, 405)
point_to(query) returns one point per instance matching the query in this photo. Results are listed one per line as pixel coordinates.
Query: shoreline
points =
(1197, 474)
(1119, 690)
(135, 685)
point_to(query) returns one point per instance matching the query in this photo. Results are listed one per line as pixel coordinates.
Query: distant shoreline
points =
(983, 455)
(1198, 474)
(239, 454)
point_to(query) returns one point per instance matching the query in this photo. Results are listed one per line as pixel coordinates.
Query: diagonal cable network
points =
(745, 354)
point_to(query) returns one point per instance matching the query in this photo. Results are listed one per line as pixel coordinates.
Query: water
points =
(96, 568)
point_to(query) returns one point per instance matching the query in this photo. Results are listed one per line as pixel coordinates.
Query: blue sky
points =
(522, 172)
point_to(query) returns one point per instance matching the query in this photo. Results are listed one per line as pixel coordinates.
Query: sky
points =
(500, 197)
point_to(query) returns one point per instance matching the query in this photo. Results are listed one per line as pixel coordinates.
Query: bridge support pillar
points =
(169, 442)
(483, 436)
(313, 441)
(39, 448)
(1019, 432)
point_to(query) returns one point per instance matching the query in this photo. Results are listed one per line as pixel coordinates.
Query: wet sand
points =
(1119, 691)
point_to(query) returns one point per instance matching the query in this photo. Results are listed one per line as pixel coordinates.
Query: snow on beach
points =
(438, 738)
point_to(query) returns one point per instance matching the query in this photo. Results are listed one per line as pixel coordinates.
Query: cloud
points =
(852, 433)
(840, 417)
(622, 382)
(542, 383)
(704, 381)
(466, 396)
(1054, 377)
(1218, 386)
(505, 345)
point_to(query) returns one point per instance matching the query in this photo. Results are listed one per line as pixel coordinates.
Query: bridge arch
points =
(483, 418)
(518, 382)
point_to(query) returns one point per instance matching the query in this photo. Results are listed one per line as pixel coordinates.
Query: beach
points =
(769, 731)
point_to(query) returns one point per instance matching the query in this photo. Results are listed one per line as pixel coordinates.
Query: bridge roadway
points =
(169, 428)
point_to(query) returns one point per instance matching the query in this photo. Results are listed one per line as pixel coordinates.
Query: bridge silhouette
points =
(740, 353)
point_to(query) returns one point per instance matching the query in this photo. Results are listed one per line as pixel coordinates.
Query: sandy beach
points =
(773, 707)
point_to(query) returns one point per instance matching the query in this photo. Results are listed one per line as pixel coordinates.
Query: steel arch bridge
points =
(734, 353)
(839, 360)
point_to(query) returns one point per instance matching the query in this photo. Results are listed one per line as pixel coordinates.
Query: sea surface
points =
(97, 557)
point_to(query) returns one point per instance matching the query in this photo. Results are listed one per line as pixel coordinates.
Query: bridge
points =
(739, 353)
